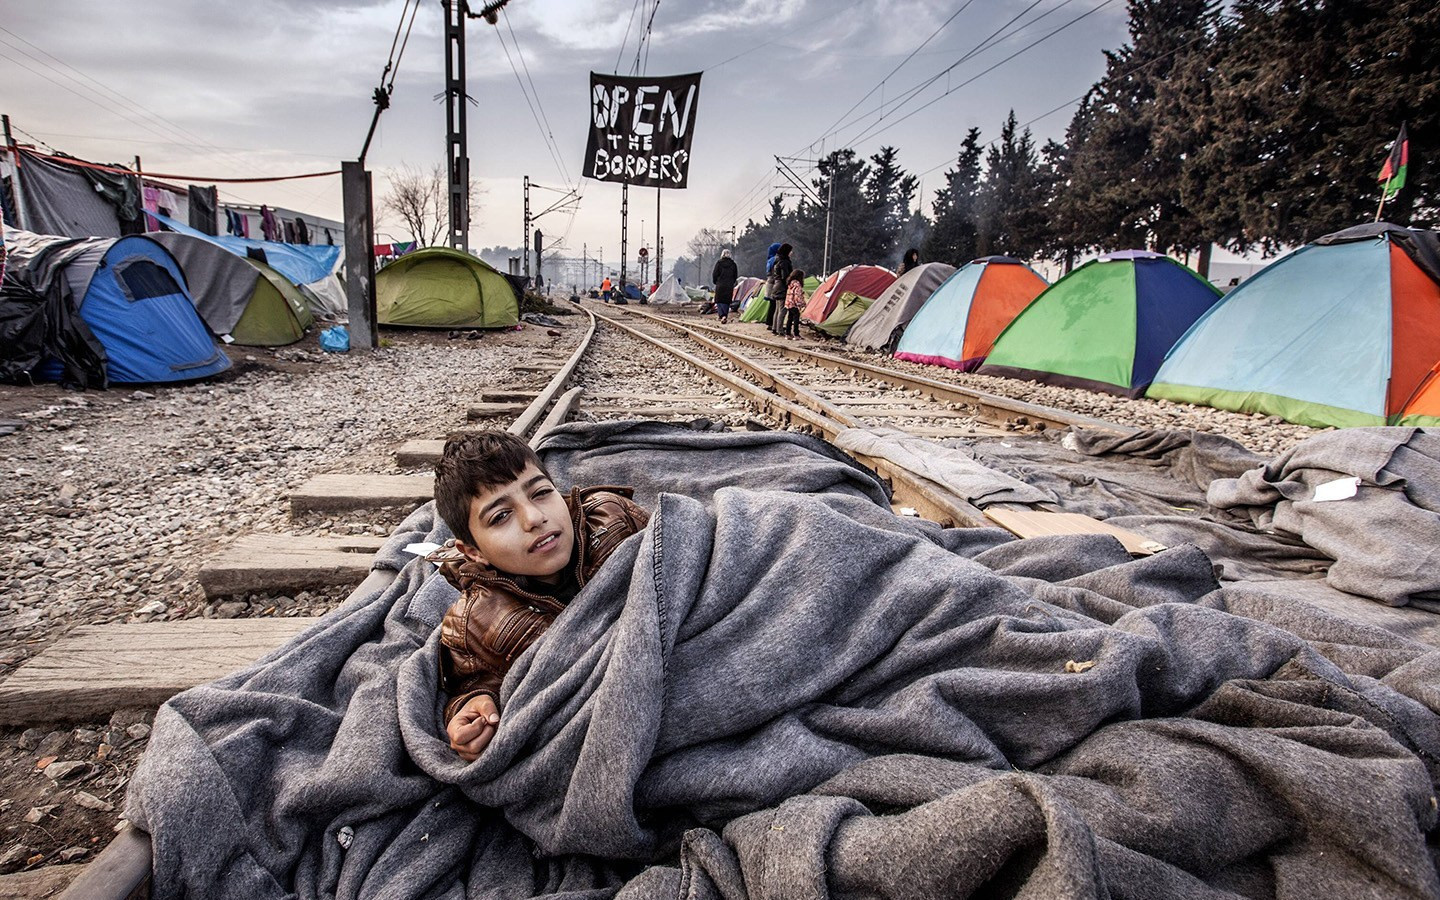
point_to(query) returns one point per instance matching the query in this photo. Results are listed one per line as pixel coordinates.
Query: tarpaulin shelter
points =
(757, 308)
(310, 267)
(241, 297)
(1342, 332)
(67, 197)
(745, 290)
(864, 281)
(849, 307)
(438, 287)
(632, 292)
(131, 294)
(670, 291)
(1106, 326)
(886, 319)
(958, 325)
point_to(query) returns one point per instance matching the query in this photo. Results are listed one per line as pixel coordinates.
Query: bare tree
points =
(706, 246)
(422, 201)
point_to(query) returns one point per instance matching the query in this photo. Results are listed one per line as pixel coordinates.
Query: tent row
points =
(1342, 332)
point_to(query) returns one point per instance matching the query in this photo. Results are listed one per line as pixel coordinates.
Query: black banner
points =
(641, 129)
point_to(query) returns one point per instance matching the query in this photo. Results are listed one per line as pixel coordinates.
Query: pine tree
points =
(953, 237)
(890, 193)
(1012, 197)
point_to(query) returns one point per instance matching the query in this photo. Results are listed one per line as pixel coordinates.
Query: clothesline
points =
(71, 161)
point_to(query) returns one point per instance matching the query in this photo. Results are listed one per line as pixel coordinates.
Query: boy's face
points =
(522, 528)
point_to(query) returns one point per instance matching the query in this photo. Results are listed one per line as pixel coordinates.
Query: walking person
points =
(724, 277)
(794, 302)
(605, 289)
(776, 286)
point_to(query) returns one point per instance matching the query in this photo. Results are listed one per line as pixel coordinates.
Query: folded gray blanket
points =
(781, 695)
(1385, 540)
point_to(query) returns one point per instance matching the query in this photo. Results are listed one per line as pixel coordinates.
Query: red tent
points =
(866, 281)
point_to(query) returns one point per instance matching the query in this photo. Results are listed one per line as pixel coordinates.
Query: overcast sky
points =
(274, 87)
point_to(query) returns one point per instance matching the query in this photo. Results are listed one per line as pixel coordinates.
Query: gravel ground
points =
(116, 498)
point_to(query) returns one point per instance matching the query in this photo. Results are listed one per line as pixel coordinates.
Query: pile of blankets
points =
(779, 689)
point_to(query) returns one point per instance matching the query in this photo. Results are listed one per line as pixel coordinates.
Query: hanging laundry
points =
(290, 232)
(302, 234)
(203, 202)
(267, 224)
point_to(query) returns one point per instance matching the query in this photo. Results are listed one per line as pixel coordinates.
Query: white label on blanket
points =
(422, 548)
(1339, 489)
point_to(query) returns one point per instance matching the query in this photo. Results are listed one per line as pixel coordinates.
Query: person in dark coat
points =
(775, 287)
(724, 276)
(910, 261)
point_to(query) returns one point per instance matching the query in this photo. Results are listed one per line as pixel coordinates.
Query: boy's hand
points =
(473, 726)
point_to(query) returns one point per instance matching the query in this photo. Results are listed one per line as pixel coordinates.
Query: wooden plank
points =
(269, 563)
(414, 454)
(39, 884)
(1034, 523)
(121, 871)
(518, 395)
(97, 669)
(652, 412)
(651, 398)
(495, 410)
(351, 493)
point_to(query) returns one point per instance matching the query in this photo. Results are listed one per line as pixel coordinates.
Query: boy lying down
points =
(522, 551)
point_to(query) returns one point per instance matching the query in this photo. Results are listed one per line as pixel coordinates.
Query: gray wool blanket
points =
(773, 694)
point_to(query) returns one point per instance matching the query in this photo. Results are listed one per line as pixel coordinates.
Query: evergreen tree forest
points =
(1255, 126)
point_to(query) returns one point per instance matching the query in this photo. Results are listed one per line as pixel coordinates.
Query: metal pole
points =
(624, 225)
(659, 245)
(140, 180)
(20, 209)
(526, 232)
(359, 254)
(457, 154)
(829, 205)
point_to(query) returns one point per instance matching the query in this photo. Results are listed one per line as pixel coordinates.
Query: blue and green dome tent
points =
(1342, 332)
(131, 294)
(1106, 326)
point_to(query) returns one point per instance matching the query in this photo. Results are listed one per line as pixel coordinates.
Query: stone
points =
(70, 854)
(86, 736)
(90, 801)
(138, 732)
(30, 738)
(153, 608)
(230, 609)
(124, 718)
(60, 771)
(38, 813)
(143, 395)
(13, 857)
(52, 744)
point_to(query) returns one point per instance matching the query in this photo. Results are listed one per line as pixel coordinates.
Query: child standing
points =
(794, 302)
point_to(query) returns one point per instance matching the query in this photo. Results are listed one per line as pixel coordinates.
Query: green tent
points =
(438, 287)
(277, 313)
(758, 309)
(848, 310)
(239, 296)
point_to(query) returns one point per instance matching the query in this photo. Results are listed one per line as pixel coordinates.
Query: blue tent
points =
(132, 295)
(633, 292)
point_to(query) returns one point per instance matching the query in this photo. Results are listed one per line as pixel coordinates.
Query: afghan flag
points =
(1392, 175)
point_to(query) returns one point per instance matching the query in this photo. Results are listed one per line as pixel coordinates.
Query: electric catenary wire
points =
(544, 135)
(549, 132)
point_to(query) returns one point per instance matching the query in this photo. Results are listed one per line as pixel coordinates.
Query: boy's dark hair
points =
(785, 249)
(798, 275)
(472, 462)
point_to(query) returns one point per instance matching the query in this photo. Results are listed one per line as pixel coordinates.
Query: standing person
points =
(724, 276)
(794, 302)
(776, 286)
(605, 289)
(910, 261)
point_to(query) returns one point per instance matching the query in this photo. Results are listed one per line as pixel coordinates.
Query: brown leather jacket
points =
(498, 616)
